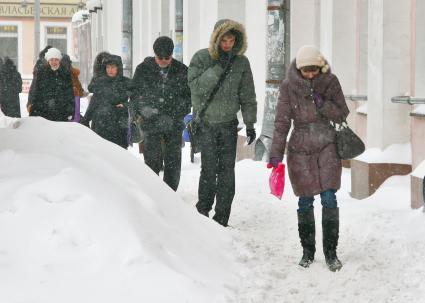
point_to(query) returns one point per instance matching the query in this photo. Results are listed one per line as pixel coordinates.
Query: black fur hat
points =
(163, 46)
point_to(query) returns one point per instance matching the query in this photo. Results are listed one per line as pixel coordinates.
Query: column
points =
(112, 26)
(234, 10)
(305, 24)
(388, 73)
(255, 25)
(199, 17)
(418, 116)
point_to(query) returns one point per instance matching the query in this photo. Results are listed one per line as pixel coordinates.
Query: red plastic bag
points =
(277, 180)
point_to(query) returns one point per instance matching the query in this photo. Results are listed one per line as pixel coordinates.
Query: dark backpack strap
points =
(216, 88)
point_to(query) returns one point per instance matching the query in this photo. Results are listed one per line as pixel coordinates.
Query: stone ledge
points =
(366, 178)
(416, 192)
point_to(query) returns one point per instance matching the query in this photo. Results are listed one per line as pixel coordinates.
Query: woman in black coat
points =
(98, 71)
(51, 92)
(11, 86)
(111, 91)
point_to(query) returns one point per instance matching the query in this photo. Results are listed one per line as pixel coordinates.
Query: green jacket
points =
(237, 91)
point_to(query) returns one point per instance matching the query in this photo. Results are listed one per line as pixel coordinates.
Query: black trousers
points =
(217, 180)
(168, 156)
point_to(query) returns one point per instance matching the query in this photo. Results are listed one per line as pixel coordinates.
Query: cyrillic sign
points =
(46, 10)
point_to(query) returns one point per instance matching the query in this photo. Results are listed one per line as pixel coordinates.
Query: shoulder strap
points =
(215, 89)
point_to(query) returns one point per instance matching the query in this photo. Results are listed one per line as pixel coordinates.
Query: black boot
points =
(330, 225)
(307, 232)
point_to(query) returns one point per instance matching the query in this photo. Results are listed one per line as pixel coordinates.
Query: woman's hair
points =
(66, 61)
(44, 51)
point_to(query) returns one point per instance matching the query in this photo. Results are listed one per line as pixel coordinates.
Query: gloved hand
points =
(250, 135)
(273, 162)
(318, 100)
(224, 59)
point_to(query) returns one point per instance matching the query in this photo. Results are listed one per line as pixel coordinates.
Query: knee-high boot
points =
(330, 225)
(307, 232)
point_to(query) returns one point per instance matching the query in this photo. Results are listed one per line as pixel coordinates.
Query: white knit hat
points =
(309, 55)
(53, 53)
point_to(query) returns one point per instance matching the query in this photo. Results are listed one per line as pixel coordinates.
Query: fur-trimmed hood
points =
(222, 27)
(114, 60)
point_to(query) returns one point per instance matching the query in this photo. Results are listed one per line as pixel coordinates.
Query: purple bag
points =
(77, 115)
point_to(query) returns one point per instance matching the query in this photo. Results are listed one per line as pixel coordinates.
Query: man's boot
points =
(330, 225)
(307, 232)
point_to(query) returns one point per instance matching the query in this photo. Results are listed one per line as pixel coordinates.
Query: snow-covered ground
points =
(82, 220)
(382, 243)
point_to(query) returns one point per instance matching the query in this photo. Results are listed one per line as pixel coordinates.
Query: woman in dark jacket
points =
(98, 71)
(111, 91)
(51, 93)
(40, 63)
(311, 97)
(10, 88)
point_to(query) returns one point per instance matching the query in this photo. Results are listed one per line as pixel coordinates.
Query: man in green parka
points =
(219, 122)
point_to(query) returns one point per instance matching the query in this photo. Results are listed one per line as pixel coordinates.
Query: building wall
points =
(199, 17)
(234, 10)
(305, 24)
(112, 18)
(12, 12)
(388, 72)
(256, 30)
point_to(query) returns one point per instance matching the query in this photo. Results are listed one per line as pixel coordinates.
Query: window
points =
(56, 36)
(9, 42)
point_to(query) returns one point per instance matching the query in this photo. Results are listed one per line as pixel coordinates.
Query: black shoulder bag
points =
(349, 145)
(194, 126)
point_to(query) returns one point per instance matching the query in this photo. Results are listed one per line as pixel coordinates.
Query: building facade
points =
(17, 27)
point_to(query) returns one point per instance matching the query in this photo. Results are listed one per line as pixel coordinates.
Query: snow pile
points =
(419, 172)
(362, 109)
(82, 220)
(8, 122)
(395, 153)
(419, 109)
(80, 16)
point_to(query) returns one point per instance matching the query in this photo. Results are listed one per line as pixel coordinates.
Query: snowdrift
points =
(83, 220)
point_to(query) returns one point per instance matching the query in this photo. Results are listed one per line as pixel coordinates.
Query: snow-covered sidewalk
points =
(382, 243)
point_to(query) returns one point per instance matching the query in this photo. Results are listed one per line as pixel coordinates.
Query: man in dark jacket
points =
(222, 65)
(162, 99)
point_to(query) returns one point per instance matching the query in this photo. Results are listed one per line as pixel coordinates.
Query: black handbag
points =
(135, 133)
(349, 145)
